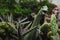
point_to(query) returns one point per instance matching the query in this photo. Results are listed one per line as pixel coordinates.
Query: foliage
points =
(22, 29)
(23, 8)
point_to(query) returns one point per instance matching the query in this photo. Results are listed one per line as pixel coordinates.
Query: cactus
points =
(54, 27)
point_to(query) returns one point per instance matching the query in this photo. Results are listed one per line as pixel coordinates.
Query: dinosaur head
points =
(44, 8)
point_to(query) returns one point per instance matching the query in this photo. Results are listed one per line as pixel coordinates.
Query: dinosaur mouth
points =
(44, 11)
